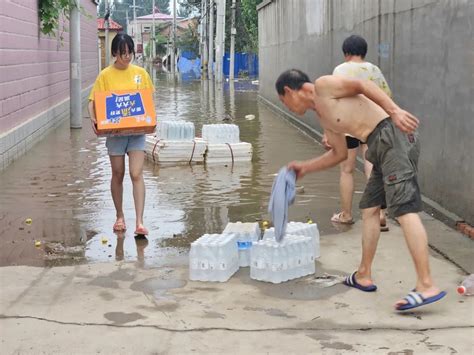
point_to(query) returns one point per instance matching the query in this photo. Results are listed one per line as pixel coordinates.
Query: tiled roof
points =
(158, 16)
(114, 26)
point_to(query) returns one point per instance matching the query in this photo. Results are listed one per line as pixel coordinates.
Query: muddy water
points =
(62, 185)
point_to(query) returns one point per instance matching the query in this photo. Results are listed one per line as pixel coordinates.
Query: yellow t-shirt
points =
(111, 78)
(365, 71)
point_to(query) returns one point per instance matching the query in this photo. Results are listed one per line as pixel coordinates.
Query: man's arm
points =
(337, 154)
(338, 87)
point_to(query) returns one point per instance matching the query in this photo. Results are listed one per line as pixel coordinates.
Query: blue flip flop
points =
(352, 282)
(416, 299)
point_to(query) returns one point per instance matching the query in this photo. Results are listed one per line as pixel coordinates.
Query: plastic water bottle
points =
(467, 286)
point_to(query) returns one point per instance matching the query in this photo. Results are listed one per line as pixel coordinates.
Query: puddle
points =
(62, 185)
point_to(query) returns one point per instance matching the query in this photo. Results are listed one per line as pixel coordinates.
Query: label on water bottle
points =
(244, 245)
(204, 264)
(223, 266)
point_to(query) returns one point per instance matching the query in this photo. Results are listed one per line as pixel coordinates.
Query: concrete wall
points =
(34, 74)
(426, 50)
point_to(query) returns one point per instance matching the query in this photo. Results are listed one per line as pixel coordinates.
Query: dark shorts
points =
(393, 182)
(352, 142)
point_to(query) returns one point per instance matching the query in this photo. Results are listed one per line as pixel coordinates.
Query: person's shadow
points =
(141, 242)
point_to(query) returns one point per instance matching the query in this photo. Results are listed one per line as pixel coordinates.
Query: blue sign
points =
(119, 106)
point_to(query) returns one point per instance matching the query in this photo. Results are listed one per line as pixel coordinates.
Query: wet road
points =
(62, 184)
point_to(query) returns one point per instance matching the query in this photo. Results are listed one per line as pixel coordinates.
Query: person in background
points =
(123, 75)
(355, 49)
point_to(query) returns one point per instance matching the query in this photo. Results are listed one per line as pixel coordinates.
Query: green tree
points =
(246, 22)
(189, 6)
(163, 6)
(249, 18)
(189, 40)
(184, 11)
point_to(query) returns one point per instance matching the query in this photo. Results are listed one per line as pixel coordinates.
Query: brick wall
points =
(34, 69)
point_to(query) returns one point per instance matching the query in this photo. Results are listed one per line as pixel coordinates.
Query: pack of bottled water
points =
(299, 228)
(221, 133)
(246, 234)
(176, 131)
(276, 262)
(213, 257)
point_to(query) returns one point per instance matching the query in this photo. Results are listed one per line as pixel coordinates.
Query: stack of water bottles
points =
(176, 131)
(213, 257)
(175, 144)
(246, 234)
(276, 262)
(216, 257)
(299, 228)
(224, 145)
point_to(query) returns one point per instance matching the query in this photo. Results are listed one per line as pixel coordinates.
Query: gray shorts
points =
(393, 182)
(119, 145)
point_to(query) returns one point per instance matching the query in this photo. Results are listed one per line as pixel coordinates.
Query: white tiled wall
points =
(16, 142)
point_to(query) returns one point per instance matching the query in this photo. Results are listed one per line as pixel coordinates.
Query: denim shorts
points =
(120, 145)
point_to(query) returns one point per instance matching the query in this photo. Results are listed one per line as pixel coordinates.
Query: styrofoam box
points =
(175, 152)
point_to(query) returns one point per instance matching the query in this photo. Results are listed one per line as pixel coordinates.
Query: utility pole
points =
(173, 40)
(205, 43)
(107, 25)
(220, 40)
(233, 32)
(152, 49)
(75, 101)
(210, 36)
(203, 47)
(128, 22)
(135, 29)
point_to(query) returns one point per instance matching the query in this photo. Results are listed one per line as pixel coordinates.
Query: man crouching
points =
(363, 110)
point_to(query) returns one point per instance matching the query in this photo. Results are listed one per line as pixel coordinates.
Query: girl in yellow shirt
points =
(122, 75)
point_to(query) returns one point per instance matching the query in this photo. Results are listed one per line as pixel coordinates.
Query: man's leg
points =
(417, 242)
(116, 186)
(136, 160)
(370, 239)
(346, 184)
(367, 172)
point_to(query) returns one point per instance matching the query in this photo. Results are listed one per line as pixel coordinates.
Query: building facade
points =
(34, 74)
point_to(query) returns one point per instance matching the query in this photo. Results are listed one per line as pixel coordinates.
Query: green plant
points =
(189, 40)
(161, 43)
(50, 12)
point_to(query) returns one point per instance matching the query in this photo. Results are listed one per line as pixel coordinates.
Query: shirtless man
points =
(363, 110)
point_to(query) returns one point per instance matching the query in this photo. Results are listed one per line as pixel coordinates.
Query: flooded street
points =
(62, 185)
